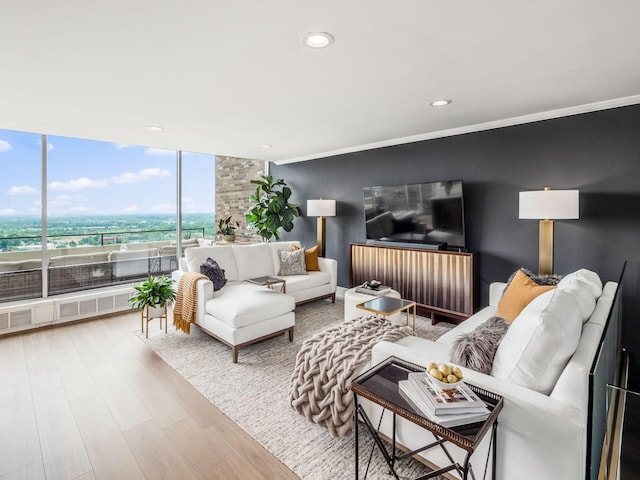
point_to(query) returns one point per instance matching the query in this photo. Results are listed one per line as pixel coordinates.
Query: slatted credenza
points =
(442, 283)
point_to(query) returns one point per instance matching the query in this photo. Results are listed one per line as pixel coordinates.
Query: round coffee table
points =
(353, 298)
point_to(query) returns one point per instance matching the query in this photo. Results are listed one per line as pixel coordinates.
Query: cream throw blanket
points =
(184, 311)
(327, 363)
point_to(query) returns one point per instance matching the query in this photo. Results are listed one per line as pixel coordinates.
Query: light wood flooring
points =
(91, 400)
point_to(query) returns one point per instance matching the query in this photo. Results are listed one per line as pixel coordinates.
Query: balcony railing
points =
(73, 268)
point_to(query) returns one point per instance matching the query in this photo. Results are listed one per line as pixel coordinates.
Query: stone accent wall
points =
(233, 187)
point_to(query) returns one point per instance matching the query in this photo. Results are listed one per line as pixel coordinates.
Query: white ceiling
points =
(227, 77)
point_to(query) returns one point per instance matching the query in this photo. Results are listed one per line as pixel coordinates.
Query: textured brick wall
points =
(233, 187)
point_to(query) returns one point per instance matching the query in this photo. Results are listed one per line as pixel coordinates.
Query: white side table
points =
(352, 298)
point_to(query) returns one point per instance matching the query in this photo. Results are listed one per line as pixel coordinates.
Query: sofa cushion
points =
(518, 294)
(82, 259)
(540, 341)
(292, 263)
(223, 254)
(241, 304)
(253, 261)
(297, 283)
(212, 270)
(586, 288)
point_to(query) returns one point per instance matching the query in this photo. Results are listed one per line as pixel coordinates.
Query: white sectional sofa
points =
(542, 369)
(242, 313)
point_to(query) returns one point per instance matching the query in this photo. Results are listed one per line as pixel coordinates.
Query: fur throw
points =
(476, 349)
(551, 279)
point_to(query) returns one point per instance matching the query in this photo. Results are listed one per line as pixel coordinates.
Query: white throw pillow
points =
(253, 261)
(222, 254)
(586, 288)
(539, 342)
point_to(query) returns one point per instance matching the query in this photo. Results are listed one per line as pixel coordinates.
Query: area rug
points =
(253, 393)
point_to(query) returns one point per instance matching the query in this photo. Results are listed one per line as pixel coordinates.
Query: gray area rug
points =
(253, 393)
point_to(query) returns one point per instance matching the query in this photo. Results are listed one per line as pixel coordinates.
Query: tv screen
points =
(422, 213)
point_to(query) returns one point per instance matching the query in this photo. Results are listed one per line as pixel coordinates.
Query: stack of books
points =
(449, 408)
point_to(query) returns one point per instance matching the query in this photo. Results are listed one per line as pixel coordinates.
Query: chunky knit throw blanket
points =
(327, 363)
(184, 310)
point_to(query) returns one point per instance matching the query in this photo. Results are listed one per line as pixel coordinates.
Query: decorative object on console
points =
(321, 208)
(292, 262)
(272, 210)
(547, 205)
(214, 272)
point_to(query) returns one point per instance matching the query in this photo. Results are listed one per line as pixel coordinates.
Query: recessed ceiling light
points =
(155, 128)
(266, 145)
(318, 39)
(440, 103)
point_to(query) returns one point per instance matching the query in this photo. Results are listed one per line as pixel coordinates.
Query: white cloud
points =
(127, 178)
(159, 152)
(140, 176)
(5, 146)
(121, 146)
(63, 198)
(7, 211)
(78, 184)
(49, 145)
(187, 200)
(131, 209)
(163, 208)
(21, 190)
(82, 210)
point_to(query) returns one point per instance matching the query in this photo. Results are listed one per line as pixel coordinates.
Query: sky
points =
(87, 177)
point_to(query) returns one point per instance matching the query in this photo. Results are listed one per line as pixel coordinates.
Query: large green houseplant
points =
(271, 210)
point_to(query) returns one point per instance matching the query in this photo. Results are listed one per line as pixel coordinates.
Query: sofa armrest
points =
(329, 265)
(496, 289)
(204, 292)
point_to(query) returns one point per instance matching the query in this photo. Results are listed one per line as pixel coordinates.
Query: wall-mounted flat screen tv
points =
(421, 213)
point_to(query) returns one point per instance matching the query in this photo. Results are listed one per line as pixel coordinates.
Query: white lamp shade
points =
(321, 208)
(550, 204)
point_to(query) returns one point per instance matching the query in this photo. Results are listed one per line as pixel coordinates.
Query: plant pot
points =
(229, 238)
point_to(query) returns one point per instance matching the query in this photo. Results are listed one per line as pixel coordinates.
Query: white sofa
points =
(242, 313)
(544, 427)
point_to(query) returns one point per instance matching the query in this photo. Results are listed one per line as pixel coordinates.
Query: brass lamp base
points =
(322, 235)
(545, 264)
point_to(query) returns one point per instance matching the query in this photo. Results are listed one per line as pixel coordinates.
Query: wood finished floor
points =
(92, 401)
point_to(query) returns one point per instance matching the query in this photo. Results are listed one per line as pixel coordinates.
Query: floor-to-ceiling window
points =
(111, 210)
(20, 215)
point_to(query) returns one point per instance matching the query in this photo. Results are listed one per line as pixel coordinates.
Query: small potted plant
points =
(227, 229)
(151, 299)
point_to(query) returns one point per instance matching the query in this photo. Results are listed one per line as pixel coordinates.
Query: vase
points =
(229, 238)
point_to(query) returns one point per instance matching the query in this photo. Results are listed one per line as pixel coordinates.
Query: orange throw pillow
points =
(521, 291)
(310, 258)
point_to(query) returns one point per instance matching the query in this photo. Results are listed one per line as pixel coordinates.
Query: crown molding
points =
(507, 122)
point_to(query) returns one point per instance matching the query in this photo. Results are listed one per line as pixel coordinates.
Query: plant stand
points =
(149, 313)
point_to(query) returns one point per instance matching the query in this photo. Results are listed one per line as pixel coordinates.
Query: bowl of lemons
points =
(444, 376)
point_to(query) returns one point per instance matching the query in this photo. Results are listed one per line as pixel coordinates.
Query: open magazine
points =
(460, 399)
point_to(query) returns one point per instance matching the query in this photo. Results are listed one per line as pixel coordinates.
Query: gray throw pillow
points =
(549, 279)
(292, 262)
(212, 270)
(476, 349)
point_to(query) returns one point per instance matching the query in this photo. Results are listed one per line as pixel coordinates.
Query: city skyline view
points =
(87, 177)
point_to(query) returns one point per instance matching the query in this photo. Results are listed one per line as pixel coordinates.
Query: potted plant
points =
(272, 210)
(151, 299)
(227, 229)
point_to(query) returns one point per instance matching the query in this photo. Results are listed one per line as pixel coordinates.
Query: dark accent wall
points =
(597, 153)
